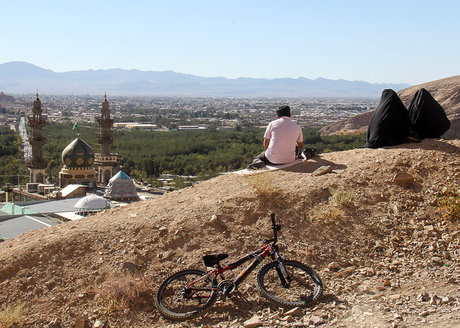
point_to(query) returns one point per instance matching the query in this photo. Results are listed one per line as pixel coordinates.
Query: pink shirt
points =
(284, 135)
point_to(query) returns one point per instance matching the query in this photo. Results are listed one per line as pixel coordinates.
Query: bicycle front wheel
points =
(301, 287)
(186, 294)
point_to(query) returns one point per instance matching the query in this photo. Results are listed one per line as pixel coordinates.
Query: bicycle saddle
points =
(211, 260)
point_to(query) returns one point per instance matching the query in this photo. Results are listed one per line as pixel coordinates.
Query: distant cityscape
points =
(171, 113)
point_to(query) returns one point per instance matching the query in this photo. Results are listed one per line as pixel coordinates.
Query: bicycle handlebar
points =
(272, 216)
(275, 227)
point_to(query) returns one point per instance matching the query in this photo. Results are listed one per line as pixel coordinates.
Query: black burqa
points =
(428, 118)
(390, 123)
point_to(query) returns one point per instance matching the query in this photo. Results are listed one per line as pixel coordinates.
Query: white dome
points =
(93, 202)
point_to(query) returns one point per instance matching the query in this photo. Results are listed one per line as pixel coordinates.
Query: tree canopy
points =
(12, 165)
(205, 153)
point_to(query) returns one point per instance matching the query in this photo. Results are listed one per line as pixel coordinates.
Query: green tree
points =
(13, 168)
(205, 153)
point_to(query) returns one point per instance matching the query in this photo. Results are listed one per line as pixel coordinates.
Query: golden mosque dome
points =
(78, 154)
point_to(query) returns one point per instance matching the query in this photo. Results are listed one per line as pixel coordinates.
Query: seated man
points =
(281, 138)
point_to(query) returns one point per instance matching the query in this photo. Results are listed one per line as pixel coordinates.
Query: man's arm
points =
(300, 143)
(266, 143)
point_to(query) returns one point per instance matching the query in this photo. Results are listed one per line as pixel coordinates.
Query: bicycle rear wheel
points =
(302, 287)
(186, 294)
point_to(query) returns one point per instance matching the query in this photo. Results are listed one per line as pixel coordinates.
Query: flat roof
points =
(15, 226)
(55, 206)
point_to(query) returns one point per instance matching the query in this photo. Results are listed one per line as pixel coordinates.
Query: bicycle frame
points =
(257, 257)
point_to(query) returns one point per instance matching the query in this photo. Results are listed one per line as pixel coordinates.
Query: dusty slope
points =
(355, 124)
(385, 256)
(445, 91)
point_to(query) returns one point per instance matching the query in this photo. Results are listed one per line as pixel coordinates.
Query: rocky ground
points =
(371, 227)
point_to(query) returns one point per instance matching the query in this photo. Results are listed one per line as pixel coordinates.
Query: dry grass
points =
(333, 211)
(261, 183)
(342, 197)
(119, 293)
(449, 200)
(327, 213)
(264, 189)
(11, 315)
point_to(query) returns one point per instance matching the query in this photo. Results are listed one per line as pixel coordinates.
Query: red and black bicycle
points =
(286, 283)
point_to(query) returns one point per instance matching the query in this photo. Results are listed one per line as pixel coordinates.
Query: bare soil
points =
(386, 255)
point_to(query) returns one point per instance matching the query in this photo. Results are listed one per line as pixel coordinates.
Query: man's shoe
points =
(256, 164)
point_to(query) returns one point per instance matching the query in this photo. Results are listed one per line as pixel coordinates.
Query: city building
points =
(190, 127)
(136, 126)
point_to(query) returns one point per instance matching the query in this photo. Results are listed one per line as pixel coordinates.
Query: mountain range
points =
(21, 77)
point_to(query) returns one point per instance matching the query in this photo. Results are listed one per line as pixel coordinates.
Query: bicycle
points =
(286, 283)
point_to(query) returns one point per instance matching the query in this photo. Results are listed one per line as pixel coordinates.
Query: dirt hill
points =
(355, 124)
(445, 91)
(372, 228)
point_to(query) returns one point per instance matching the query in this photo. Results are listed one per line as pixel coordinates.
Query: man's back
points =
(284, 135)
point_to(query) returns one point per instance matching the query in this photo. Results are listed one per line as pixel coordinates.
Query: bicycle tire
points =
(305, 286)
(176, 303)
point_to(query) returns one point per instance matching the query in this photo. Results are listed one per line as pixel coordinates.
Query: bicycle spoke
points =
(304, 285)
(184, 295)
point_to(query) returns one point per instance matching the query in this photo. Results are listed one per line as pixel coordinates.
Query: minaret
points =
(37, 164)
(105, 161)
(105, 136)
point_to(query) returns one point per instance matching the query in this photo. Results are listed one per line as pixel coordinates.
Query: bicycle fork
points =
(282, 272)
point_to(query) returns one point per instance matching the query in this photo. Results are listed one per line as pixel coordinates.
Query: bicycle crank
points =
(225, 288)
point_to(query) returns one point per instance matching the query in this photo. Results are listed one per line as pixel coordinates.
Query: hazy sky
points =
(410, 41)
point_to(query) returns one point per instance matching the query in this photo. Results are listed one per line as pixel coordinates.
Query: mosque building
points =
(121, 187)
(80, 164)
(78, 160)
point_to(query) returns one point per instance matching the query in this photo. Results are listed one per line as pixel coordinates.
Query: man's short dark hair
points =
(283, 111)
